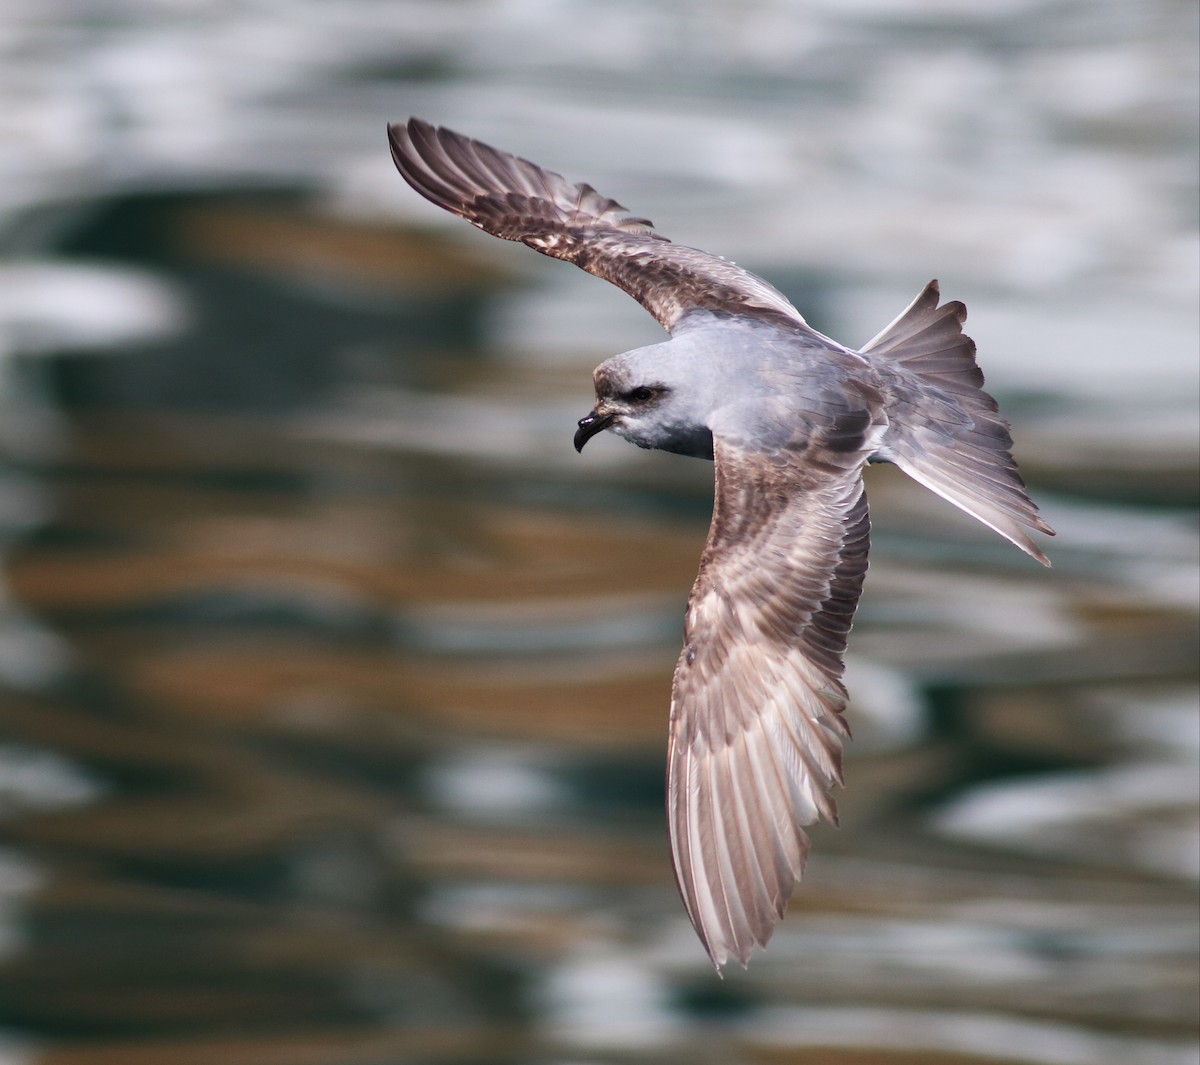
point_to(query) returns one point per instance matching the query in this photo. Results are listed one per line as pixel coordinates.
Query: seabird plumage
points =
(790, 417)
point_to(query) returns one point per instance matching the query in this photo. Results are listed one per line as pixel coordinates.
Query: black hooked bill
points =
(590, 425)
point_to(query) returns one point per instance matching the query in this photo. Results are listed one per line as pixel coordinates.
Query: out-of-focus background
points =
(333, 684)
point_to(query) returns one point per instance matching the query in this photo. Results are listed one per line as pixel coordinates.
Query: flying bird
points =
(790, 418)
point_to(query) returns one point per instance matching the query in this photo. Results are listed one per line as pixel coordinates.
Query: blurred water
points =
(333, 683)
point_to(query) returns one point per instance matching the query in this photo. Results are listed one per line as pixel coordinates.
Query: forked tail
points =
(945, 430)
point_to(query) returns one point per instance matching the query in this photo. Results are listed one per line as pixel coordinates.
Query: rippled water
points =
(333, 684)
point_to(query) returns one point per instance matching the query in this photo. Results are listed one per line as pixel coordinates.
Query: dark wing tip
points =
(401, 145)
(430, 159)
(404, 152)
(400, 136)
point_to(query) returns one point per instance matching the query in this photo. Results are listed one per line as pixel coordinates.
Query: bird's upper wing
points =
(515, 199)
(756, 710)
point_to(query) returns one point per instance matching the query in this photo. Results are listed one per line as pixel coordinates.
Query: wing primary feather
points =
(708, 918)
(756, 831)
(734, 919)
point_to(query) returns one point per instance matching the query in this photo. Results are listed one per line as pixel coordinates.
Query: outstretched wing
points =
(756, 711)
(515, 199)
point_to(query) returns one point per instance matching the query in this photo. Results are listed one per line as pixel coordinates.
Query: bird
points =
(790, 418)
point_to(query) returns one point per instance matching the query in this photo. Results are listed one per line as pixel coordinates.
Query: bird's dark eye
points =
(640, 395)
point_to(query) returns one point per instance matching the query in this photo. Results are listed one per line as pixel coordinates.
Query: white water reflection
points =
(887, 705)
(49, 306)
(1098, 816)
(39, 780)
(1141, 812)
(601, 998)
(495, 783)
(937, 1032)
(32, 655)
(1028, 131)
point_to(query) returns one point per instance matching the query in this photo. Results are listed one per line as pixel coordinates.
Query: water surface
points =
(333, 684)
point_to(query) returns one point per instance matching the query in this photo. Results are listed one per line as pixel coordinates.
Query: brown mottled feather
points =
(515, 199)
(756, 711)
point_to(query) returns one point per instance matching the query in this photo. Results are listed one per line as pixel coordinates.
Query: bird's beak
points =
(594, 423)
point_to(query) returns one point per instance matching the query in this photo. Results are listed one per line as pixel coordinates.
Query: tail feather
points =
(946, 432)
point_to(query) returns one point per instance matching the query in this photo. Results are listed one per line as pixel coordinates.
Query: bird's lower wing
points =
(515, 199)
(756, 713)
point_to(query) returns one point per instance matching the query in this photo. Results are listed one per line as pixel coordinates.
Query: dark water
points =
(333, 684)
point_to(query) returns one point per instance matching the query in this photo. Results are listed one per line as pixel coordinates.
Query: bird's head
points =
(637, 403)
